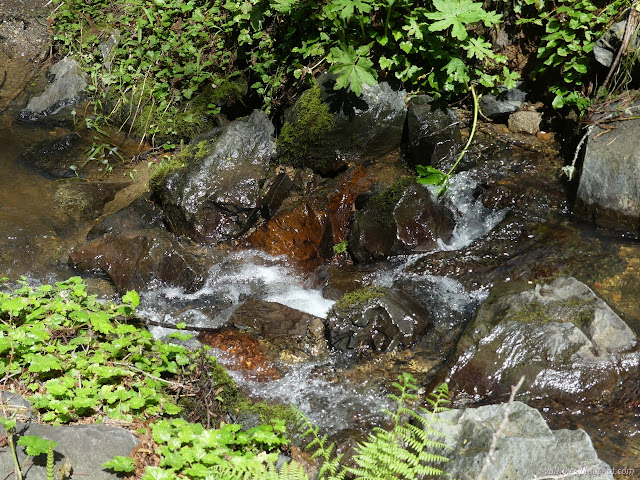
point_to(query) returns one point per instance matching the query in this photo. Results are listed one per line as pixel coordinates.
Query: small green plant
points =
(341, 248)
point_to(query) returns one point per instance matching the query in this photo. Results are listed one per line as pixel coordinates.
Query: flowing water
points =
(36, 235)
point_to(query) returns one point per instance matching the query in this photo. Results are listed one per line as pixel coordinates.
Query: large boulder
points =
(217, 195)
(433, 133)
(568, 344)
(24, 46)
(327, 129)
(377, 319)
(403, 218)
(527, 448)
(83, 448)
(609, 189)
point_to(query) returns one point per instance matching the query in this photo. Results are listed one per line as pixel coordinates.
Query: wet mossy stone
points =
(377, 319)
(304, 135)
(327, 129)
(403, 218)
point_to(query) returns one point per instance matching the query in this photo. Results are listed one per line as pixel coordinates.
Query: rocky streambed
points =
(319, 281)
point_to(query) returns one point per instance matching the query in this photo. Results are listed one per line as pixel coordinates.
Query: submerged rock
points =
(527, 447)
(377, 319)
(568, 343)
(216, 197)
(609, 189)
(133, 261)
(293, 333)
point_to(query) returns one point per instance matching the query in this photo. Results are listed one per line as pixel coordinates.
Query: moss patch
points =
(384, 203)
(579, 312)
(173, 163)
(358, 298)
(300, 139)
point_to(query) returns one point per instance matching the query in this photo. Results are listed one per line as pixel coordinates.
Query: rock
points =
(568, 343)
(292, 332)
(217, 196)
(55, 157)
(508, 101)
(84, 447)
(525, 121)
(403, 218)
(68, 84)
(377, 319)
(609, 189)
(77, 200)
(607, 46)
(527, 448)
(433, 133)
(326, 129)
(133, 261)
(309, 224)
(24, 46)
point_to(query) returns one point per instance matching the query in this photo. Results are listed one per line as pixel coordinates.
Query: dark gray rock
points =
(433, 133)
(216, 197)
(508, 101)
(380, 320)
(567, 342)
(609, 189)
(400, 220)
(66, 89)
(527, 448)
(607, 46)
(84, 447)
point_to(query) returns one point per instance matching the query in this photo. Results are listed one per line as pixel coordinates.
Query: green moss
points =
(172, 163)
(300, 139)
(577, 311)
(384, 203)
(359, 297)
(226, 91)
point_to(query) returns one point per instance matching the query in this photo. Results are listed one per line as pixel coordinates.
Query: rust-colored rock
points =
(243, 352)
(307, 230)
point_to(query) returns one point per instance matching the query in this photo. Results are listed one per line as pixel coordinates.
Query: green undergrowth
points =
(359, 297)
(77, 358)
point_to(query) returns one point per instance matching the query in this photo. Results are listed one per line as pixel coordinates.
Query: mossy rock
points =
(303, 139)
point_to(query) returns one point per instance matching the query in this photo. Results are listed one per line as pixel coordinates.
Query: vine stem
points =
(473, 130)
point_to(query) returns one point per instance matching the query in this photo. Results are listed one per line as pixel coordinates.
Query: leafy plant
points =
(565, 53)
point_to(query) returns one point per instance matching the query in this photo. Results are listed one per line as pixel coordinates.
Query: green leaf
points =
(120, 464)
(430, 176)
(456, 14)
(35, 445)
(354, 68)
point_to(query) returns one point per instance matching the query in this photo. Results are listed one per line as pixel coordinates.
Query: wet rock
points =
(609, 190)
(242, 352)
(307, 226)
(404, 218)
(24, 46)
(525, 121)
(76, 200)
(66, 89)
(132, 261)
(607, 46)
(84, 447)
(567, 342)
(377, 319)
(141, 214)
(527, 447)
(216, 197)
(508, 101)
(433, 133)
(293, 333)
(55, 157)
(353, 129)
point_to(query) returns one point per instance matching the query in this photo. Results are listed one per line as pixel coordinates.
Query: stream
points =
(42, 218)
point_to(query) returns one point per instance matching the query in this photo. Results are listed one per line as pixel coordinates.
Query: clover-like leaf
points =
(120, 464)
(36, 445)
